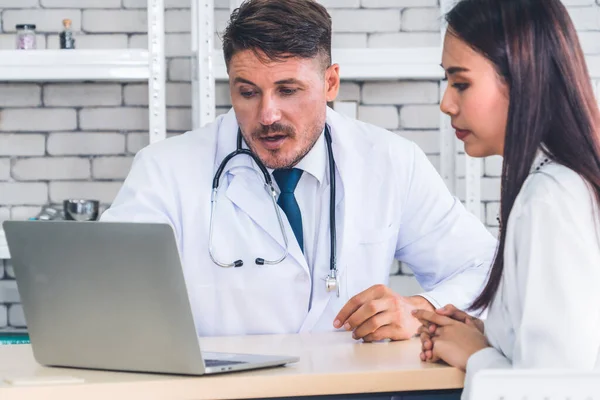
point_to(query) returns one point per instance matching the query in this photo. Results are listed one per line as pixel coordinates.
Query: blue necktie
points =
(287, 180)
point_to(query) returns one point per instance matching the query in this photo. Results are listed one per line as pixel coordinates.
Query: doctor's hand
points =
(426, 331)
(379, 313)
(453, 341)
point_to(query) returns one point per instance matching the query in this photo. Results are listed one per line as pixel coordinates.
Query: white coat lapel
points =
(350, 165)
(246, 189)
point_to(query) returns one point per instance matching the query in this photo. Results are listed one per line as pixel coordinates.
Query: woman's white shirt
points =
(546, 313)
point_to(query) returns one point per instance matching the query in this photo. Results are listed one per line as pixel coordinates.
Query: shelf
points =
(420, 63)
(74, 65)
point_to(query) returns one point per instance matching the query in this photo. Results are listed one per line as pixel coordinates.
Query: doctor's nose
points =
(269, 111)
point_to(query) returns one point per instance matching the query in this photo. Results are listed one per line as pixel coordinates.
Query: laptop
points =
(112, 296)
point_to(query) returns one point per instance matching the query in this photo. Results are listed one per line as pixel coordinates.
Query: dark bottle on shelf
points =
(67, 41)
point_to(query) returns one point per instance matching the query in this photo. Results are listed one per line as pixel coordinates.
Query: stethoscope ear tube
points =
(272, 195)
(238, 152)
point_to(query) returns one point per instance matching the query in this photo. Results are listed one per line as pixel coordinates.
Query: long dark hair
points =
(535, 50)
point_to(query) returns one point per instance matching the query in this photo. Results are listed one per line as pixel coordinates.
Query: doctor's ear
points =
(332, 82)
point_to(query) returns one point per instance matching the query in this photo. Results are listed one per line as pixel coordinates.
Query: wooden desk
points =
(330, 363)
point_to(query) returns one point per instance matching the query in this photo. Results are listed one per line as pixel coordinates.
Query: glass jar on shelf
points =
(26, 37)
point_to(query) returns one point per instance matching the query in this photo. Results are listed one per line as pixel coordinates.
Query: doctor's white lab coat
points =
(390, 203)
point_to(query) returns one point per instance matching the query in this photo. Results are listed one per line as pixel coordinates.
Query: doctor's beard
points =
(283, 158)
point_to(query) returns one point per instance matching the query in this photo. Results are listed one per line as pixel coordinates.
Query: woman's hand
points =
(448, 339)
(426, 331)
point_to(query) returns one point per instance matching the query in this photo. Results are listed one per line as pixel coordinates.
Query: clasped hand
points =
(450, 335)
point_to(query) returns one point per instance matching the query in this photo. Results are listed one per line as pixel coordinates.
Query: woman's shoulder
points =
(558, 184)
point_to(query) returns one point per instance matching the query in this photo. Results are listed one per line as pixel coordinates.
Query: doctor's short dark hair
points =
(276, 30)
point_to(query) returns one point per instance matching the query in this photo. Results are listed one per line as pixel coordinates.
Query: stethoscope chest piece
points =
(332, 284)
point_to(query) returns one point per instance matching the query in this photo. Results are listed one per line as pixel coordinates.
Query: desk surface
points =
(330, 363)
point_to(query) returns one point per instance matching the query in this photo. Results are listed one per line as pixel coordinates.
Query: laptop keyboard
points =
(220, 363)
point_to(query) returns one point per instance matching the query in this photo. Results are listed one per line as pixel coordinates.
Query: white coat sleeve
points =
(557, 278)
(147, 195)
(448, 249)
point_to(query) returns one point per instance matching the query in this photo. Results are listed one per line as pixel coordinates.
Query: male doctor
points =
(389, 200)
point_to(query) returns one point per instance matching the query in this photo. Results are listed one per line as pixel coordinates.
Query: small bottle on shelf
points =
(25, 39)
(67, 41)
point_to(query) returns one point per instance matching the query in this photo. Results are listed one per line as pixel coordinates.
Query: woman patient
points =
(518, 86)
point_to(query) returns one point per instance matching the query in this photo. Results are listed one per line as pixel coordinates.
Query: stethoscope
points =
(331, 282)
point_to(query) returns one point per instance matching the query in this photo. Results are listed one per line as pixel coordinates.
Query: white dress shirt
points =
(312, 187)
(546, 313)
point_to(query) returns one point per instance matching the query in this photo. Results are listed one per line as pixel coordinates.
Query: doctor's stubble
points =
(280, 162)
(267, 41)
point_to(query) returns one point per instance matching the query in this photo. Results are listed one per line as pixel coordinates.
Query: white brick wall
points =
(111, 167)
(45, 20)
(78, 139)
(20, 95)
(22, 144)
(103, 191)
(404, 39)
(85, 143)
(19, 193)
(81, 3)
(365, 20)
(8, 292)
(3, 316)
(82, 95)
(51, 168)
(384, 116)
(400, 92)
(16, 318)
(110, 21)
(114, 118)
(4, 216)
(37, 119)
(4, 169)
(420, 117)
(421, 19)
(586, 18)
(18, 3)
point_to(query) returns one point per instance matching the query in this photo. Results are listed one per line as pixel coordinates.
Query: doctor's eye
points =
(287, 91)
(247, 94)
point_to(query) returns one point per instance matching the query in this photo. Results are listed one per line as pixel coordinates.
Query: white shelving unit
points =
(120, 65)
(74, 65)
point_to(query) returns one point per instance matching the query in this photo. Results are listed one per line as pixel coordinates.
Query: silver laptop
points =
(108, 295)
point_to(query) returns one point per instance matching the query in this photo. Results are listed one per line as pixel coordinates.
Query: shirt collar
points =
(314, 162)
(541, 158)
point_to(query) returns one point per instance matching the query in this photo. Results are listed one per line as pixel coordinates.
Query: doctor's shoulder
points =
(385, 141)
